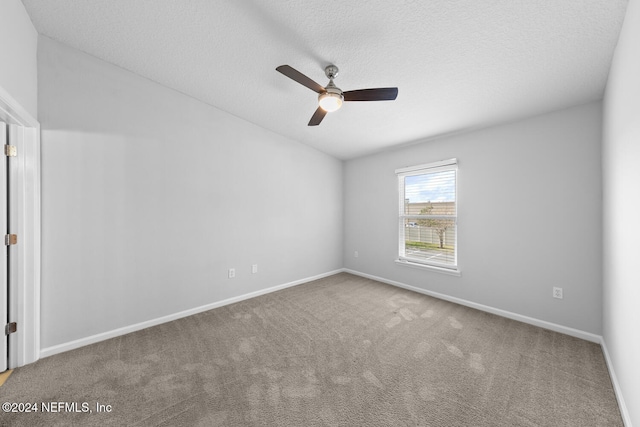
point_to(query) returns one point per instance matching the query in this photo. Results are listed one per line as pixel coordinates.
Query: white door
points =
(4, 301)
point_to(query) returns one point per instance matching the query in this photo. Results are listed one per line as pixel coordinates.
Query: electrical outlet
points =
(557, 293)
(232, 273)
(355, 254)
(254, 268)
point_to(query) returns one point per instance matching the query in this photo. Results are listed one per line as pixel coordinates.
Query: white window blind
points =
(427, 220)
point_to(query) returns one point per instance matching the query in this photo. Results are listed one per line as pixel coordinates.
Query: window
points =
(428, 215)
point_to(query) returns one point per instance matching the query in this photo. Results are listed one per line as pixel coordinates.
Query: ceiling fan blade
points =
(296, 75)
(380, 94)
(317, 117)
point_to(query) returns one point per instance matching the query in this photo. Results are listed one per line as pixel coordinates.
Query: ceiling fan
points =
(330, 98)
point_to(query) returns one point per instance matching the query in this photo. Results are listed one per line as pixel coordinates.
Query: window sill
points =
(448, 271)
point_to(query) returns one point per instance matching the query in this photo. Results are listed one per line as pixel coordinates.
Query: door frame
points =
(4, 287)
(24, 284)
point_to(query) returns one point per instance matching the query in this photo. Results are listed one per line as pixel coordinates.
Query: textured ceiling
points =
(458, 64)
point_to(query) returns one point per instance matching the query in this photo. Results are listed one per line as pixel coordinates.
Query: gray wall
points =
(18, 69)
(621, 170)
(149, 196)
(529, 216)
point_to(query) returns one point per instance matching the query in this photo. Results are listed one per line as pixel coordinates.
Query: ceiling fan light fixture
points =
(330, 101)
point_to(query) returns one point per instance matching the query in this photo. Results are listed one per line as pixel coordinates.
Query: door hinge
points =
(10, 328)
(10, 239)
(10, 150)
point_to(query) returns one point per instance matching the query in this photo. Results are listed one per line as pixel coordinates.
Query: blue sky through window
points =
(431, 187)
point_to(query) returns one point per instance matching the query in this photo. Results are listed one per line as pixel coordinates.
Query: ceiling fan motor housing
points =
(331, 71)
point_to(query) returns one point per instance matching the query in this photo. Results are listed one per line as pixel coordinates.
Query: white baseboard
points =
(626, 418)
(504, 313)
(60, 348)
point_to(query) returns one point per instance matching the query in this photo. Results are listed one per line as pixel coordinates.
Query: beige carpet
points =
(341, 351)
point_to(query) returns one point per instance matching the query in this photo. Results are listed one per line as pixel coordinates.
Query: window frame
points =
(424, 169)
